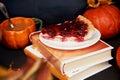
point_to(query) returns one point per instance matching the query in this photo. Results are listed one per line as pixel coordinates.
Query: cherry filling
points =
(77, 29)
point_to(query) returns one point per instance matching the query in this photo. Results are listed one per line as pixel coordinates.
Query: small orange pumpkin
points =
(105, 18)
(118, 57)
(17, 37)
(119, 21)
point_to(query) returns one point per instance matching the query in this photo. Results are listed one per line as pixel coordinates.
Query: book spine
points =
(34, 54)
(46, 53)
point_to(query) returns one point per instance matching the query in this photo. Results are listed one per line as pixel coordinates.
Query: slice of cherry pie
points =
(77, 30)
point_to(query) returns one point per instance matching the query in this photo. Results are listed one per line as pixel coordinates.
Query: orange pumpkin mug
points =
(17, 37)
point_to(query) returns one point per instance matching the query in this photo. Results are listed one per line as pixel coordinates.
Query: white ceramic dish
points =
(72, 45)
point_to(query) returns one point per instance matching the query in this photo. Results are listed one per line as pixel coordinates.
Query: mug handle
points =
(38, 22)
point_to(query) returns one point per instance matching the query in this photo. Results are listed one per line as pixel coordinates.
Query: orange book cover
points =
(65, 60)
(33, 54)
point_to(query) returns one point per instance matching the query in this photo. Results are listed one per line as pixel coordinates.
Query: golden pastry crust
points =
(91, 28)
(88, 33)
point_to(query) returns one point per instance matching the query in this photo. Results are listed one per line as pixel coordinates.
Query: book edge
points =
(87, 67)
(102, 66)
(90, 54)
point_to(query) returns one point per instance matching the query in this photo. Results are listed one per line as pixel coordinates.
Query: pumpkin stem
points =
(38, 21)
(96, 3)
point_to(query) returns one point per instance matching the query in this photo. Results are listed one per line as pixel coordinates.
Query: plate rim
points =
(97, 38)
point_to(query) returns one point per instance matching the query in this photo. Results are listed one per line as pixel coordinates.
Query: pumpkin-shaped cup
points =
(17, 37)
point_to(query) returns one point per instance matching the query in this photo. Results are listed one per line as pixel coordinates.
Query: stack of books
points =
(76, 64)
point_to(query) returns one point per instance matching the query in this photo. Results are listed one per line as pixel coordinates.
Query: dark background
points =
(51, 12)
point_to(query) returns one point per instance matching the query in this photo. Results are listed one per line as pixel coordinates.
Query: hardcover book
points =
(87, 72)
(70, 61)
(91, 71)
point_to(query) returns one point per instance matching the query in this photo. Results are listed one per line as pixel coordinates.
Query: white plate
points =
(72, 45)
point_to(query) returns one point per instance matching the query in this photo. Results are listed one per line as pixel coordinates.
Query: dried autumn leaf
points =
(96, 3)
